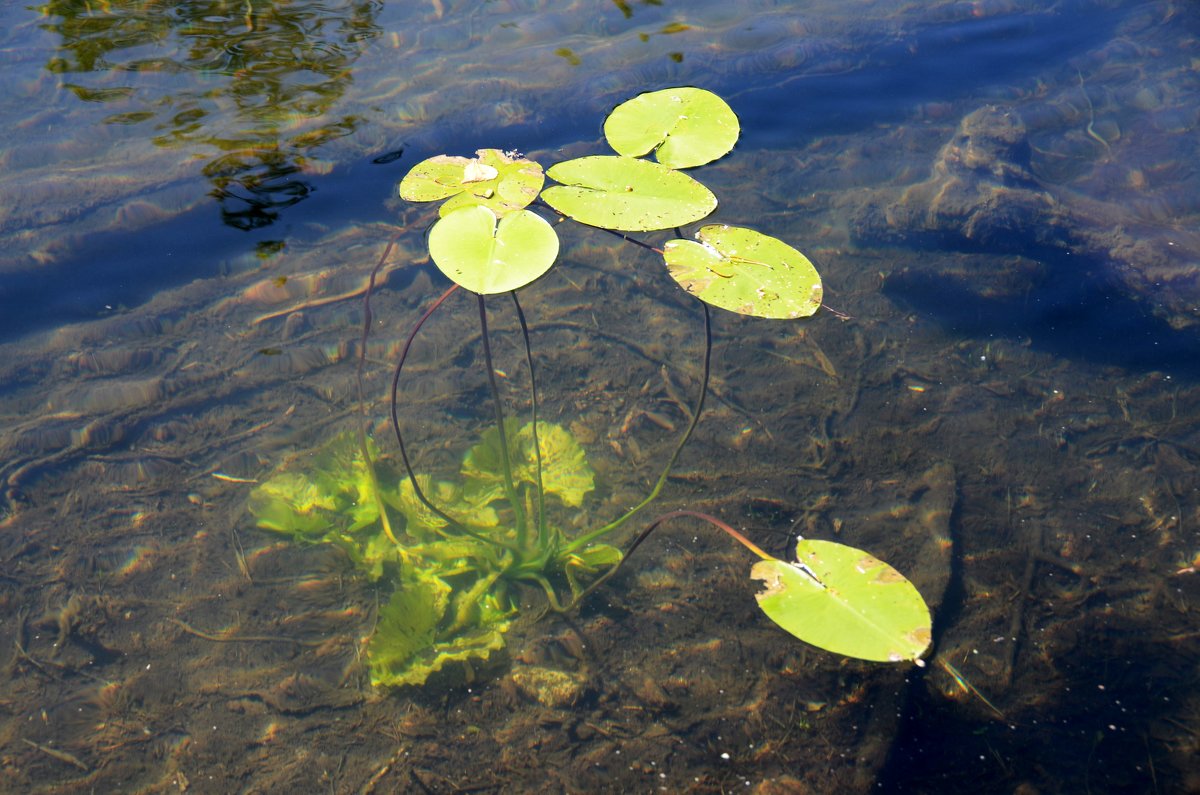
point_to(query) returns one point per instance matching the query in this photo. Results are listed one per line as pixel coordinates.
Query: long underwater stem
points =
(368, 464)
(642, 536)
(587, 538)
(498, 405)
(412, 476)
(537, 445)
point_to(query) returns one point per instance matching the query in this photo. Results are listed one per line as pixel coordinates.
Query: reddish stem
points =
(747, 543)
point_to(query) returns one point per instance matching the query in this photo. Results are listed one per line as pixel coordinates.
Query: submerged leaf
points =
(291, 503)
(489, 255)
(591, 562)
(688, 126)
(423, 524)
(407, 626)
(745, 271)
(565, 470)
(333, 496)
(843, 600)
(627, 194)
(408, 645)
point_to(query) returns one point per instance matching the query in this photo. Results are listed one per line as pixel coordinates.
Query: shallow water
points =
(1000, 398)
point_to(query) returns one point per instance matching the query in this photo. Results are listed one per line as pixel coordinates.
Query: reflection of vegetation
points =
(254, 80)
(627, 9)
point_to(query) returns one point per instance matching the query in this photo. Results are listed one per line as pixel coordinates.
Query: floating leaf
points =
(502, 182)
(488, 255)
(688, 126)
(843, 600)
(627, 194)
(745, 272)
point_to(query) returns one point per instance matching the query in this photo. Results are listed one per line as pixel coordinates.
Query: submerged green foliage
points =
(452, 600)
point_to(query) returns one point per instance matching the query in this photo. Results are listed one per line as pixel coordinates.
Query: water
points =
(999, 195)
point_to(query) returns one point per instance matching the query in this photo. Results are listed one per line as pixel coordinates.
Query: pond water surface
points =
(1000, 395)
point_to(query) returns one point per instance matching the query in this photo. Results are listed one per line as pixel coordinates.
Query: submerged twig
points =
(61, 756)
(188, 628)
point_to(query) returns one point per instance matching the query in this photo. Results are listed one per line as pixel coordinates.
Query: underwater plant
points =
(454, 553)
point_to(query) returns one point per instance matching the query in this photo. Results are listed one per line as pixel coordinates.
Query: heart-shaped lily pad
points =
(687, 126)
(746, 272)
(843, 600)
(501, 181)
(488, 255)
(627, 194)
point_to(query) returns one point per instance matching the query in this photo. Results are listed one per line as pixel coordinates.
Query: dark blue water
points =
(874, 79)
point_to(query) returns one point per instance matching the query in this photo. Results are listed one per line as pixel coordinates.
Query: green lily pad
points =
(688, 127)
(746, 272)
(626, 194)
(502, 182)
(486, 254)
(843, 600)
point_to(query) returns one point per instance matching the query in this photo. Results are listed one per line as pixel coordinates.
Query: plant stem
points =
(642, 536)
(514, 499)
(412, 477)
(587, 538)
(714, 521)
(537, 446)
(368, 464)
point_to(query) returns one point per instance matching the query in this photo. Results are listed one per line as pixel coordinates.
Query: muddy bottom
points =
(155, 640)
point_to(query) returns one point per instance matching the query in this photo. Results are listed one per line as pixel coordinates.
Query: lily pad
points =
(843, 600)
(487, 254)
(746, 272)
(501, 181)
(687, 126)
(627, 194)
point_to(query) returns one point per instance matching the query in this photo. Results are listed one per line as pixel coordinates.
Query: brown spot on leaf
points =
(772, 581)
